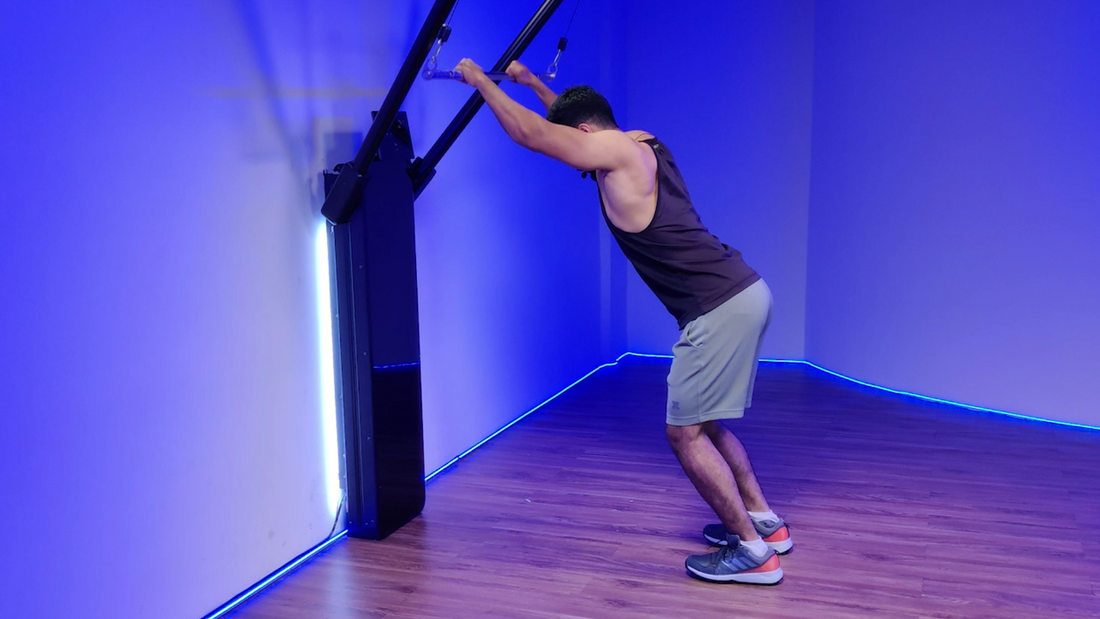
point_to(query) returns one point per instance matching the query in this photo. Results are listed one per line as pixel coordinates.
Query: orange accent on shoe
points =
(770, 565)
(781, 535)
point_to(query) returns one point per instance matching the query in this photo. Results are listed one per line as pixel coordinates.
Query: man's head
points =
(583, 108)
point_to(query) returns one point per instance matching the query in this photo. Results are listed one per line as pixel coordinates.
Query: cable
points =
(552, 72)
(575, 7)
(340, 509)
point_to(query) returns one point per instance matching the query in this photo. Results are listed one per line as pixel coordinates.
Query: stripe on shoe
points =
(770, 565)
(781, 535)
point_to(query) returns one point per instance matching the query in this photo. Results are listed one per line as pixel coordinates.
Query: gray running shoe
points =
(774, 533)
(734, 563)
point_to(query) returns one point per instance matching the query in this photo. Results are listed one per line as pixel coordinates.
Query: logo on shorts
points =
(675, 405)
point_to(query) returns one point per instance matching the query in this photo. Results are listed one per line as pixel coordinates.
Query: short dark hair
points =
(581, 104)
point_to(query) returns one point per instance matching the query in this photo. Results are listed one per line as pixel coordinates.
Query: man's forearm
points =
(518, 122)
(546, 95)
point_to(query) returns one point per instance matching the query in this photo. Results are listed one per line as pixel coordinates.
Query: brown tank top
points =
(686, 266)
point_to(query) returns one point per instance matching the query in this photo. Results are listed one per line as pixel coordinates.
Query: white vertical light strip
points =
(328, 373)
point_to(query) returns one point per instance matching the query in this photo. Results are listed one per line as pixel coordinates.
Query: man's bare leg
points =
(733, 452)
(713, 477)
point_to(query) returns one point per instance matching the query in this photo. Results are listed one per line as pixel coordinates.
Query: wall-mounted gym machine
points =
(369, 204)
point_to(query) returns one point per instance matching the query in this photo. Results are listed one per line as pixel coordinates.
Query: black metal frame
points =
(376, 323)
(378, 339)
(343, 197)
(423, 170)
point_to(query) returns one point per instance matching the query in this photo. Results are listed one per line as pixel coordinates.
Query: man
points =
(721, 305)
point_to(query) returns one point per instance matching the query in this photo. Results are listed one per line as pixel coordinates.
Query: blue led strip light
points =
(898, 391)
(397, 365)
(249, 593)
(515, 421)
(789, 361)
(462, 455)
(950, 402)
(649, 356)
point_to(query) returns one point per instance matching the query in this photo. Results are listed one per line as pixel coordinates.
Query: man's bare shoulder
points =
(621, 149)
(635, 157)
(639, 135)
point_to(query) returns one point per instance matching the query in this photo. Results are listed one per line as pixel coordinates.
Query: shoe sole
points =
(770, 577)
(781, 547)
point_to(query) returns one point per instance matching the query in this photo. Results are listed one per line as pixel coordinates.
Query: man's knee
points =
(713, 428)
(679, 436)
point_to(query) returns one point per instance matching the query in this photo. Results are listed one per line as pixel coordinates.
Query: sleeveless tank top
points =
(686, 266)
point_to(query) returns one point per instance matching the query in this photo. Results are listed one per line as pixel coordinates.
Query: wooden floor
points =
(898, 508)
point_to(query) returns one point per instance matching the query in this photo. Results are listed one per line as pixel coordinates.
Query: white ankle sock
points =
(756, 547)
(768, 515)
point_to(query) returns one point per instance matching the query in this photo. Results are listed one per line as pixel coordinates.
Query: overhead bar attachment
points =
(497, 76)
(423, 169)
(343, 198)
(432, 72)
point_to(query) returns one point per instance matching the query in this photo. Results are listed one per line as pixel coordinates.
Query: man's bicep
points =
(580, 150)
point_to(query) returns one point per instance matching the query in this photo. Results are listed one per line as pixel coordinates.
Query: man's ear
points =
(585, 127)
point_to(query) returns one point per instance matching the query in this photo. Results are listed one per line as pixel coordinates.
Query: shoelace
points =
(726, 553)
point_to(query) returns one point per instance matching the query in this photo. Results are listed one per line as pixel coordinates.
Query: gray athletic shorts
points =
(714, 364)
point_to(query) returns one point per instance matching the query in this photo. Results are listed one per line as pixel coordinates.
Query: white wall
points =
(162, 444)
(956, 201)
(727, 85)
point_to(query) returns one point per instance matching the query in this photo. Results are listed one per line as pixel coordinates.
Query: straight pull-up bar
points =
(343, 198)
(423, 170)
(496, 76)
(432, 72)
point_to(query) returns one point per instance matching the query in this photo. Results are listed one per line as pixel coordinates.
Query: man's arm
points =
(604, 150)
(523, 76)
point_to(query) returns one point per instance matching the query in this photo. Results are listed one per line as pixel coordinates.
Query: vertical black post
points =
(379, 343)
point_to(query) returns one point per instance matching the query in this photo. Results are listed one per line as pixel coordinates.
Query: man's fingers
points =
(518, 72)
(464, 67)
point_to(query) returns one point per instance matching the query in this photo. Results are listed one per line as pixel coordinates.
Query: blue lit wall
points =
(955, 203)
(161, 380)
(728, 86)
